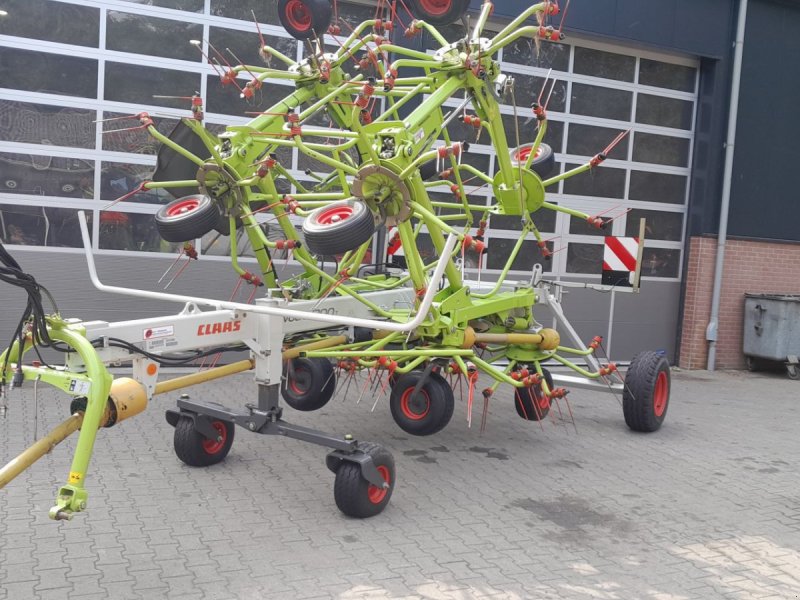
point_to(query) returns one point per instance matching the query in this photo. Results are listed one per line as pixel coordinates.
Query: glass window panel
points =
(588, 140)
(451, 32)
(604, 64)
(48, 73)
(580, 227)
(585, 258)
(266, 12)
(527, 132)
(524, 51)
(127, 32)
(131, 231)
(187, 5)
(31, 225)
(499, 251)
(226, 100)
(667, 112)
(135, 141)
(138, 84)
(606, 182)
(660, 262)
(46, 175)
(118, 179)
(544, 219)
(658, 225)
(661, 149)
(51, 21)
(447, 197)
(657, 187)
(527, 89)
(667, 75)
(45, 124)
(598, 101)
(246, 45)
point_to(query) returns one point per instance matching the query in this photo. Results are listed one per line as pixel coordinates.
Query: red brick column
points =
(750, 266)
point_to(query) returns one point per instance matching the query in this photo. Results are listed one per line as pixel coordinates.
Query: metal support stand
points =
(265, 418)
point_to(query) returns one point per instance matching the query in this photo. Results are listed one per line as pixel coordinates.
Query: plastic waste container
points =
(772, 330)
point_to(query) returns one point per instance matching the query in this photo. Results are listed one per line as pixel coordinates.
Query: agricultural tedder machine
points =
(413, 330)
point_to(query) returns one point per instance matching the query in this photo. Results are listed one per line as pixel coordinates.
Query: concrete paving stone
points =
(696, 510)
(48, 579)
(115, 573)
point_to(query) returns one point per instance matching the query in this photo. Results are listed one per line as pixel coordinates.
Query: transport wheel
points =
(439, 12)
(196, 450)
(354, 495)
(187, 218)
(305, 18)
(542, 163)
(338, 227)
(427, 412)
(646, 396)
(793, 371)
(309, 384)
(531, 402)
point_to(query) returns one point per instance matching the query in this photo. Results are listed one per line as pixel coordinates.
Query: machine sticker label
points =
(79, 387)
(158, 332)
(418, 136)
(155, 345)
(75, 477)
(215, 328)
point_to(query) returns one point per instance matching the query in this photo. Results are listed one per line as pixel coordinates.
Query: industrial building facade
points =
(72, 72)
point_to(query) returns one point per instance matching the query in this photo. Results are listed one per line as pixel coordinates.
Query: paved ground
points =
(708, 507)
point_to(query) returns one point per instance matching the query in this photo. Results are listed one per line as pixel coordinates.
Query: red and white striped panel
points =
(619, 253)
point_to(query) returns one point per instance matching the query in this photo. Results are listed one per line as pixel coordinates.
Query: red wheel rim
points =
(299, 385)
(181, 207)
(522, 154)
(436, 7)
(298, 15)
(335, 214)
(214, 446)
(540, 400)
(409, 406)
(661, 394)
(376, 494)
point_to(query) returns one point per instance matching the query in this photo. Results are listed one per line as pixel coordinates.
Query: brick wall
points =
(750, 266)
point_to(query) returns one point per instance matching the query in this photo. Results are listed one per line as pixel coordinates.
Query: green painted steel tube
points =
(72, 497)
(514, 25)
(507, 267)
(567, 174)
(574, 367)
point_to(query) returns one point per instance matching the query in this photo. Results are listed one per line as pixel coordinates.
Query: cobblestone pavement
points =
(708, 507)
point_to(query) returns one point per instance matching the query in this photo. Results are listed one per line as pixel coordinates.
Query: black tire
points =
(196, 450)
(531, 403)
(354, 495)
(309, 384)
(223, 225)
(304, 19)
(187, 218)
(338, 227)
(542, 164)
(646, 396)
(439, 12)
(430, 411)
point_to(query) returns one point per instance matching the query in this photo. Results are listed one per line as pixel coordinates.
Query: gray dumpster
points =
(772, 330)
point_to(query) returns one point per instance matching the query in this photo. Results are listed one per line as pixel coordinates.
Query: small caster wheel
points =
(196, 450)
(531, 402)
(357, 497)
(646, 396)
(429, 410)
(793, 371)
(304, 19)
(309, 383)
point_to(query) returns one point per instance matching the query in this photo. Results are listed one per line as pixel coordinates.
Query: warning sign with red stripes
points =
(619, 260)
